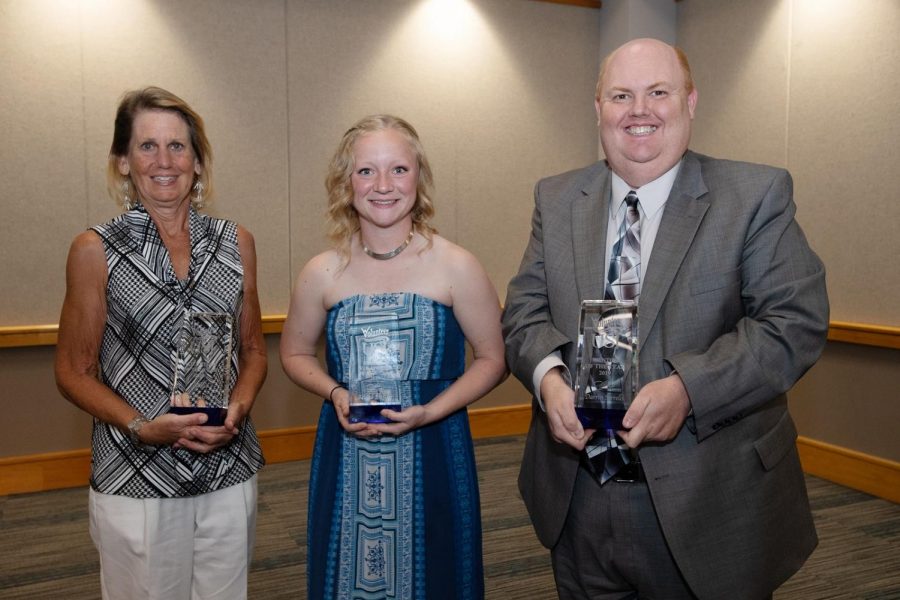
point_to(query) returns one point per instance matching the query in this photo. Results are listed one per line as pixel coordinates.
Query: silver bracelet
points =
(134, 429)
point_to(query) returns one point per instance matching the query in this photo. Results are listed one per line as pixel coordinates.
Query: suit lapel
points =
(589, 221)
(681, 218)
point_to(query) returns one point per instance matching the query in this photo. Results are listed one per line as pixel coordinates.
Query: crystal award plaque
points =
(606, 371)
(376, 367)
(203, 366)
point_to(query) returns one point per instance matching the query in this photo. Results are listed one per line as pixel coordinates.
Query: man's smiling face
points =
(644, 111)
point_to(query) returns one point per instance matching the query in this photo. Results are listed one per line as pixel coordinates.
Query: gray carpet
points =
(45, 550)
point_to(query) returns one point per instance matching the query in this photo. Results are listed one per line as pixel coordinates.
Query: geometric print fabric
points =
(146, 307)
(396, 516)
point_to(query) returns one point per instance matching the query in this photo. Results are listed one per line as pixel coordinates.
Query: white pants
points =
(175, 548)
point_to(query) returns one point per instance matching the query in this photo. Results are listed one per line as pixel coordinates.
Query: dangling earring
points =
(197, 200)
(127, 202)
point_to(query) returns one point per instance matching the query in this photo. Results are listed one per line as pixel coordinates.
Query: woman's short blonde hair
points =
(343, 221)
(154, 98)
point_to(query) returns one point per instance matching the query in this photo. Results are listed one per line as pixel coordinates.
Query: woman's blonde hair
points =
(343, 221)
(154, 98)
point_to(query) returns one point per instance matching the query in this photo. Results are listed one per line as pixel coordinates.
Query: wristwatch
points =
(134, 429)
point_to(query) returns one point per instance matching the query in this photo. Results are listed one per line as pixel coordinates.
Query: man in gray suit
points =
(732, 311)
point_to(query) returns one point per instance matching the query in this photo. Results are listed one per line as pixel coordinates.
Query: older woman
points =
(393, 495)
(172, 499)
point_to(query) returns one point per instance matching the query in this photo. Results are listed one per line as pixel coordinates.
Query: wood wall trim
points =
(41, 472)
(273, 323)
(28, 335)
(46, 335)
(864, 334)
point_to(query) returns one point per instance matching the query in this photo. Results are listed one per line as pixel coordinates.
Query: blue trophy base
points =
(370, 413)
(215, 414)
(594, 417)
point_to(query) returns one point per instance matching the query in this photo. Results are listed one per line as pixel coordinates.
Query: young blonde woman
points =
(393, 505)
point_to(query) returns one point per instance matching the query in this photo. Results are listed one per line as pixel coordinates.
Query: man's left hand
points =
(657, 412)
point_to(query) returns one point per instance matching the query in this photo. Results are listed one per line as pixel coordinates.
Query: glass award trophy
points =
(376, 367)
(202, 380)
(606, 370)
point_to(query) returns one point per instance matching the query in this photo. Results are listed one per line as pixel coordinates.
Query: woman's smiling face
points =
(385, 177)
(160, 158)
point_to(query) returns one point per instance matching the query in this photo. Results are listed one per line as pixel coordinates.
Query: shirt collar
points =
(652, 195)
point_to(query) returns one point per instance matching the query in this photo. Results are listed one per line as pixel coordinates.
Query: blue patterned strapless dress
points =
(396, 517)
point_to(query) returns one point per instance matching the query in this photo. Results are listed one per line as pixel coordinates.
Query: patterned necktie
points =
(623, 280)
(605, 454)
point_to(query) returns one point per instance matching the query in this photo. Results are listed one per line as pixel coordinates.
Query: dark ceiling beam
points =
(584, 3)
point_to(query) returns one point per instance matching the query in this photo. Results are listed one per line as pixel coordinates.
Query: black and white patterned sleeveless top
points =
(146, 303)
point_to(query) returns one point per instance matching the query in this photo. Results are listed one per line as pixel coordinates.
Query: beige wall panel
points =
(42, 154)
(495, 101)
(339, 71)
(226, 59)
(851, 398)
(805, 84)
(341, 66)
(845, 80)
(739, 58)
(524, 111)
(36, 419)
(280, 403)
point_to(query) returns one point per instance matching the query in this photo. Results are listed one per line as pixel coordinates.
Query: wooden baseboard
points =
(57, 470)
(500, 421)
(41, 472)
(863, 472)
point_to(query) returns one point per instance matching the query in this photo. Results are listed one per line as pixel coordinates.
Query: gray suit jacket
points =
(734, 299)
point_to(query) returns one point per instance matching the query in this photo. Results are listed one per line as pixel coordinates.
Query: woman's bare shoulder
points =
(325, 264)
(453, 256)
(320, 273)
(87, 246)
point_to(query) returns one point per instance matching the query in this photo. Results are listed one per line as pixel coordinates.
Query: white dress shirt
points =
(651, 202)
